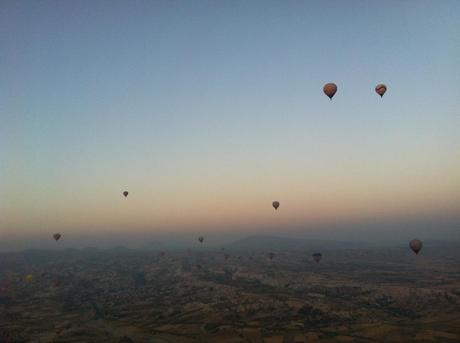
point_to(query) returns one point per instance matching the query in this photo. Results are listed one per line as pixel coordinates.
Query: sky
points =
(207, 111)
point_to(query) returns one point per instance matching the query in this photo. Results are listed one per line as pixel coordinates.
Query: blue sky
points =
(206, 111)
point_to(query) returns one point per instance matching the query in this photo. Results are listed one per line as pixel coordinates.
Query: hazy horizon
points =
(395, 234)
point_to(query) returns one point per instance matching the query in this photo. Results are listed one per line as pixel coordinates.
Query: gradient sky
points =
(207, 111)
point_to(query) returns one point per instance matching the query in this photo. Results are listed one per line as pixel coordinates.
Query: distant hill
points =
(264, 243)
(437, 243)
(119, 248)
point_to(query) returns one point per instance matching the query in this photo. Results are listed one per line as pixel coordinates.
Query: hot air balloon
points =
(3, 290)
(317, 256)
(125, 193)
(56, 236)
(380, 89)
(330, 89)
(162, 253)
(416, 245)
(201, 239)
(271, 255)
(276, 204)
(29, 277)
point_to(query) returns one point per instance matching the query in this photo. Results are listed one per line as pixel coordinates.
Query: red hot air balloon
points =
(276, 204)
(416, 245)
(317, 256)
(56, 236)
(381, 89)
(4, 287)
(125, 193)
(330, 89)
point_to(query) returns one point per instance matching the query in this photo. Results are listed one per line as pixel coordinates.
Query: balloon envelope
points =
(276, 204)
(125, 193)
(56, 236)
(416, 245)
(330, 89)
(380, 89)
(201, 239)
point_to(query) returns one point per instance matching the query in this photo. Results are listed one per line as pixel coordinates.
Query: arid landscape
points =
(233, 293)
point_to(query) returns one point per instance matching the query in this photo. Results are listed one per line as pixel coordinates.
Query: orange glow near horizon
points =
(228, 206)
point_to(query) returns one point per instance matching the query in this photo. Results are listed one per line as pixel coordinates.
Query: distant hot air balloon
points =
(162, 253)
(416, 245)
(271, 255)
(125, 193)
(276, 204)
(4, 287)
(56, 236)
(3, 290)
(330, 89)
(380, 89)
(201, 239)
(317, 256)
(29, 277)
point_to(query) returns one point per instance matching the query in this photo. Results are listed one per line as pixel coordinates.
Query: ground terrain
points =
(364, 294)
